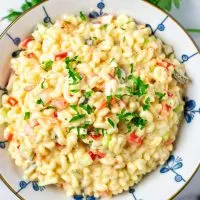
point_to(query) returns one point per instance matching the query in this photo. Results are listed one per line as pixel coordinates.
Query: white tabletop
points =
(188, 15)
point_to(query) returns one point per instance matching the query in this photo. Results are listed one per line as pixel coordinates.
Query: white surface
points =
(188, 16)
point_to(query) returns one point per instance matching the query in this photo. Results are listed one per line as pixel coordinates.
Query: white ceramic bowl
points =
(165, 182)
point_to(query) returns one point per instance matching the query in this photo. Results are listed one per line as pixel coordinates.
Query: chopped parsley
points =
(39, 101)
(132, 67)
(138, 87)
(105, 26)
(131, 117)
(83, 16)
(109, 98)
(87, 108)
(74, 107)
(160, 95)
(88, 94)
(47, 65)
(77, 117)
(139, 122)
(129, 128)
(118, 72)
(74, 76)
(27, 115)
(42, 84)
(101, 131)
(95, 38)
(147, 104)
(113, 59)
(74, 91)
(111, 122)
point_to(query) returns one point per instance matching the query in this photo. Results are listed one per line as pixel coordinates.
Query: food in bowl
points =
(92, 104)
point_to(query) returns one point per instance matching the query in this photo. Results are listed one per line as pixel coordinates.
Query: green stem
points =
(193, 30)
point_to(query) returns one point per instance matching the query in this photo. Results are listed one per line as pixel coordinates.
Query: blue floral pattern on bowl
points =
(190, 109)
(173, 164)
(35, 186)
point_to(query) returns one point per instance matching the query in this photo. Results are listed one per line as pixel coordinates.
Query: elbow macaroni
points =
(63, 122)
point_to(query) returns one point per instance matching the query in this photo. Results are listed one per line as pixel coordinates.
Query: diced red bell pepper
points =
(55, 114)
(10, 137)
(12, 101)
(168, 107)
(95, 136)
(92, 155)
(170, 94)
(100, 155)
(61, 56)
(31, 55)
(134, 139)
(24, 43)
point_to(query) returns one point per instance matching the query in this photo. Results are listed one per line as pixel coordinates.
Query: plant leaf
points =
(177, 3)
(12, 15)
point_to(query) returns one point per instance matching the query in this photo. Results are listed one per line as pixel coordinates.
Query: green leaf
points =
(74, 91)
(74, 107)
(27, 115)
(83, 16)
(47, 65)
(132, 67)
(42, 84)
(88, 94)
(12, 15)
(177, 3)
(118, 72)
(39, 101)
(147, 104)
(109, 98)
(111, 122)
(25, 6)
(105, 26)
(77, 117)
(160, 95)
(139, 122)
(87, 108)
(138, 88)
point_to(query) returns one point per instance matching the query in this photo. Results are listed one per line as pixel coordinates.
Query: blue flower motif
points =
(16, 40)
(185, 57)
(101, 5)
(3, 145)
(78, 197)
(24, 184)
(47, 18)
(95, 14)
(132, 191)
(172, 165)
(189, 110)
(81, 197)
(161, 27)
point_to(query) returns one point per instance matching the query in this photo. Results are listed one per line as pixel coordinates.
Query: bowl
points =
(168, 180)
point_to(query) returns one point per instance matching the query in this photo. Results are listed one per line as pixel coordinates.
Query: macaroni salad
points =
(92, 105)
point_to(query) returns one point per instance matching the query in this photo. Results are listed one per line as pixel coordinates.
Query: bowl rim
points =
(150, 4)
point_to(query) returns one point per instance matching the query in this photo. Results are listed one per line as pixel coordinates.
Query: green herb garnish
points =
(74, 91)
(160, 95)
(132, 67)
(39, 101)
(118, 72)
(105, 26)
(42, 84)
(109, 98)
(77, 117)
(87, 108)
(83, 16)
(138, 88)
(88, 94)
(113, 59)
(74, 107)
(147, 104)
(47, 65)
(27, 115)
(111, 122)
